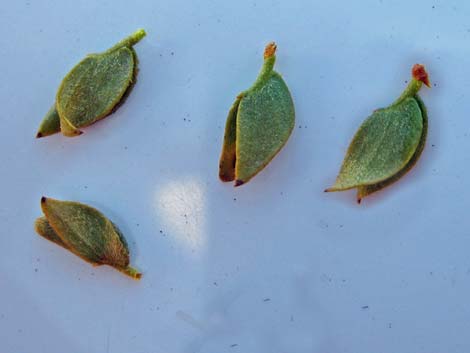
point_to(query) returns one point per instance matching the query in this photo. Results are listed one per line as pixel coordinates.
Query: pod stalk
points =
(130, 41)
(268, 65)
(419, 77)
(131, 272)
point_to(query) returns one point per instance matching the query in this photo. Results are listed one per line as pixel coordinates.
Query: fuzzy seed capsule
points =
(86, 232)
(93, 89)
(258, 125)
(388, 144)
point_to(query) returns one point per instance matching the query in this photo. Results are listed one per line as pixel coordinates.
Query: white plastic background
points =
(275, 266)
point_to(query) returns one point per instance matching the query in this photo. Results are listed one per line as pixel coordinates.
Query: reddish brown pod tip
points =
(420, 74)
(270, 50)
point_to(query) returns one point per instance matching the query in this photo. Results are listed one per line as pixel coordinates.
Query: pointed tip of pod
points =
(419, 73)
(73, 133)
(239, 182)
(225, 177)
(43, 199)
(270, 50)
(359, 199)
(39, 135)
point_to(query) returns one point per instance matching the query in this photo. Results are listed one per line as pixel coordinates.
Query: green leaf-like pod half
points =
(258, 125)
(388, 143)
(86, 232)
(93, 89)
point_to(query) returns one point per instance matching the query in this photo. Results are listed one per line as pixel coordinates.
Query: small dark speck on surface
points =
(365, 307)
(267, 299)
(172, 53)
(233, 345)
(433, 145)
(234, 199)
(389, 325)
(36, 270)
(292, 318)
(215, 284)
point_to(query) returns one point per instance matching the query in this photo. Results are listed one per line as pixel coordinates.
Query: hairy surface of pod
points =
(388, 143)
(93, 89)
(86, 232)
(258, 125)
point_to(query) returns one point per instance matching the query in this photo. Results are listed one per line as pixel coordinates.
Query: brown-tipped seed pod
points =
(86, 232)
(93, 89)
(388, 143)
(258, 125)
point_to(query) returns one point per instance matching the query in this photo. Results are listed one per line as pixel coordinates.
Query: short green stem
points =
(268, 66)
(131, 272)
(410, 91)
(130, 41)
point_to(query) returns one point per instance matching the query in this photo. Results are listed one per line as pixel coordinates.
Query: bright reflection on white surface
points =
(181, 208)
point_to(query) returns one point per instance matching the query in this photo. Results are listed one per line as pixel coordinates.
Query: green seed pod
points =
(388, 143)
(93, 89)
(258, 125)
(86, 232)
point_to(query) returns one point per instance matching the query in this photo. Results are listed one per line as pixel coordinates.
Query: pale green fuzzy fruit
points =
(258, 125)
(93, 89)
(86, 232)
(388, 143)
